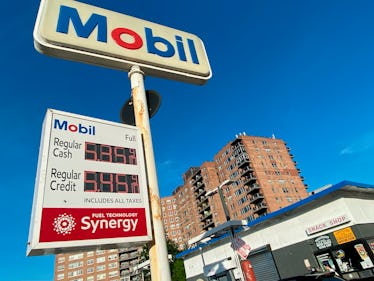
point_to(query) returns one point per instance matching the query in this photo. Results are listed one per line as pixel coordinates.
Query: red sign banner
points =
(67, 224)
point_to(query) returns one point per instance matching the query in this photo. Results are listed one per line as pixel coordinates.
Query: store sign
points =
(323, 242)
(90, 188)
(81, 32)
(327, 224)
(344, 235)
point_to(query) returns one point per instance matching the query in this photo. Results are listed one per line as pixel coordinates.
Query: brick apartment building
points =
(263, 178)
(88, 266)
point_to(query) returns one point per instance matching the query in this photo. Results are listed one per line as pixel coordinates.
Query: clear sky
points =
(301, 70)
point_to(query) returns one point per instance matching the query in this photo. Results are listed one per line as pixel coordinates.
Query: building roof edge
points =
(302, 202)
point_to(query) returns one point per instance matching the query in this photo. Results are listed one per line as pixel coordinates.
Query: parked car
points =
(323, 276)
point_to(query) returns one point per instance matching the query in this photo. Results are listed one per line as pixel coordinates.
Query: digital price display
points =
(109, 182)
(91, 186)
(110, 153)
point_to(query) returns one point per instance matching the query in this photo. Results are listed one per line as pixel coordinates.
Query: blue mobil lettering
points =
(153, 43)
(64, 125)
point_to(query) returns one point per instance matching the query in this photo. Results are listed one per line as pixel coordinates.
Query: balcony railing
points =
(253, 188)
(242, 161)
(245, 170)
(248, 179)
(260, 208)
(256, 197)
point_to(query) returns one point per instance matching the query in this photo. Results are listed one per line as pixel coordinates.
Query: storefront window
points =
(371, 245)
(349, 257)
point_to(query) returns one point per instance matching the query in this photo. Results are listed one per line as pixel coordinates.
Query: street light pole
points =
(219, 190)
(224, 206)
(227, 215)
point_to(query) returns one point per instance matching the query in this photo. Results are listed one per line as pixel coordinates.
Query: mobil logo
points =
(125, 37)
(74, 128)
(86, 33)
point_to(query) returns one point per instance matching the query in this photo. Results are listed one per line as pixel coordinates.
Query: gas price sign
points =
(90, 188)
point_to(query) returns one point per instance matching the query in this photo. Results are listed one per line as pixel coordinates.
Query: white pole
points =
(158, 255)
(232, 232)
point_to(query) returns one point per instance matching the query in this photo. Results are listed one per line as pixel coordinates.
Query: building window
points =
(245, 209)
(100, 267)
(101, 259)
(75, 264)
(90, 270)
(242, 200)
(60, 267)
(101, 276)
(112, 257)
(76, 257)
(112, 265)
(90, 261)
(60, 276)
(113, 273)
(75, 273)
(61, 259)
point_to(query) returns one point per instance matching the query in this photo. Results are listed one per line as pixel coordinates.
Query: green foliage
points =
(176, 265)
(177, 270)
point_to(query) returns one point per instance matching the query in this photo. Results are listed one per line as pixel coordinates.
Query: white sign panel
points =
(91, 187)
(82, 32)
(327, 224)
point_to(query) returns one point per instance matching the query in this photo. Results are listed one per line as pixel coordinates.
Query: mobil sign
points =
(81, 32)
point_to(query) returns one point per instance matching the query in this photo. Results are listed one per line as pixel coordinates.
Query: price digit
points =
(106, 182)
(90, 151)
(122, 185)
(132, 156)
(106, 153)
(134, 184)
(90, 181)
(119, 155)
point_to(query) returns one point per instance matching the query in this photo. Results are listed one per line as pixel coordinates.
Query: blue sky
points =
(301, 70)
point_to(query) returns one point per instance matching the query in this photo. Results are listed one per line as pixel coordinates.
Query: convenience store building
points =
(333, 227)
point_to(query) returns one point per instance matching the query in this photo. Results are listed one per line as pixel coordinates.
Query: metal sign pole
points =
(158, 255)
